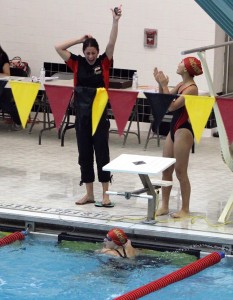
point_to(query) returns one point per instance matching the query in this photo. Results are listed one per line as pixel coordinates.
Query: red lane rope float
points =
(11, 238)
(175, 276)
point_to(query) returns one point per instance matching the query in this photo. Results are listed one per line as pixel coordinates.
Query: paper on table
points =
(50, 78)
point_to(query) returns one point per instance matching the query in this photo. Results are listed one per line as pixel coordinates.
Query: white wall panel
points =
(31, 28)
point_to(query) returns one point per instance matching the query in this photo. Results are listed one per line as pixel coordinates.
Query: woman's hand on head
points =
(117, 12)
(86, 36)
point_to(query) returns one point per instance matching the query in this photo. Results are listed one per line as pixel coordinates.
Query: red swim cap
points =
(193, 66)
(118, 236)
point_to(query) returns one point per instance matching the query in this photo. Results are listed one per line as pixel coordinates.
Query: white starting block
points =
(226, 211)
(143, 166)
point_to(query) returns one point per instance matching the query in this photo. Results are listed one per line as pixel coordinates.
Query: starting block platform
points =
(143, 166)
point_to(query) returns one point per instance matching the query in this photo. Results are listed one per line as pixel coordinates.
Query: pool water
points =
(43, 269)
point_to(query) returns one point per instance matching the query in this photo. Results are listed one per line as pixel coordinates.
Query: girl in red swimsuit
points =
(180, 139)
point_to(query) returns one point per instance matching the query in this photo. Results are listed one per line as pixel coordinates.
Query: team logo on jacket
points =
(97, 70)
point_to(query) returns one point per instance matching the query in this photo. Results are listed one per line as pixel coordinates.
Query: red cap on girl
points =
(118, 236)
(193, 66)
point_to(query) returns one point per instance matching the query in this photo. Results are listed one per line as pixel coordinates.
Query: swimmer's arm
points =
(180, 101)
(107, 251)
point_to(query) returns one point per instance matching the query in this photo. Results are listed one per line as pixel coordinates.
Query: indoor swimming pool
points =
(45, 269)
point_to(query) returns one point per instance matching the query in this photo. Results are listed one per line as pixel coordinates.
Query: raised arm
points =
(164, 89)
(180, 101)
(156, 76)
(162, 81)
(116, 14)
(62, 48)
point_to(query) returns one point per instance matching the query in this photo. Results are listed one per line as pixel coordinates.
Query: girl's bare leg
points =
(182, 147)
(167, 175)
(106, 199)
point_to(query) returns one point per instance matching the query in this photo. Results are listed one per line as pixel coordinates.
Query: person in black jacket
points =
(6, 101)
(91, 71)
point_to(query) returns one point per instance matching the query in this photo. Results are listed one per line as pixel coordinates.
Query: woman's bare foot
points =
(162, 211)
(180, 214)
(106, 199)
(85, 200)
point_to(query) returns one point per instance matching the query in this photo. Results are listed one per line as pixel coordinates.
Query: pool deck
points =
(40, 184)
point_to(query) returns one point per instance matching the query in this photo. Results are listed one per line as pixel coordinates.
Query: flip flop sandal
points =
(86, 202)
(100, 204)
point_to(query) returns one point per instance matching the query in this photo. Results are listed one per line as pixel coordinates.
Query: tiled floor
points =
(41, 182)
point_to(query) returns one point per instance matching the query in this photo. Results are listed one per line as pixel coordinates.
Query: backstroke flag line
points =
(24, 94)
(59, 98)
(159, 105)
(122, 104)
(199, 109)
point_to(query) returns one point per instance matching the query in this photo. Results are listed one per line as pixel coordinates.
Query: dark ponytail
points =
(90, 42)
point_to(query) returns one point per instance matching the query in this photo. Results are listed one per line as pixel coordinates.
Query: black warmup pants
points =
(88, 145)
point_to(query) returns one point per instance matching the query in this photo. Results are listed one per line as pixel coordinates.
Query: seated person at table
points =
(6, 102)
(116, 243)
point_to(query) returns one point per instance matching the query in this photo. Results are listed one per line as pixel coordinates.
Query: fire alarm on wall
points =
(150, 37)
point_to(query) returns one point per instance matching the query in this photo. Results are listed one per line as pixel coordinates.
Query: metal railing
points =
(201, 49)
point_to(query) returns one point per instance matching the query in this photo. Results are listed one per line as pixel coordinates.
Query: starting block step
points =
(128, 195)
(162, 183)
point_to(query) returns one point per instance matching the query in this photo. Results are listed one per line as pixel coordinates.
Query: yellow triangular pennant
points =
(98, 106)
(199, 109)
(24, 95)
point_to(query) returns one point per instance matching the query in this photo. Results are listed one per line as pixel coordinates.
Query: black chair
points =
(18, 72)
(156, 134)
(3, 114)
(44, 107)
(67, 123)
(133, 117)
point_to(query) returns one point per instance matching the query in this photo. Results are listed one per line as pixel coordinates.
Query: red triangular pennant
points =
(225, 106)
(122, 104)
(59, 98)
